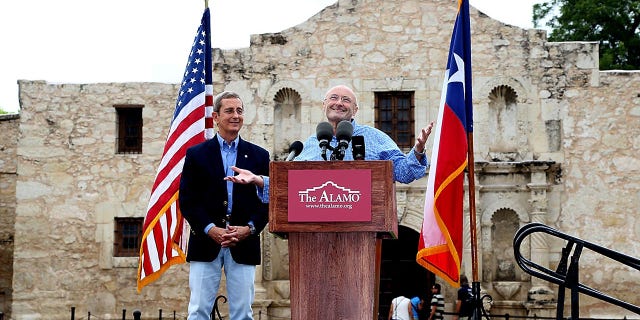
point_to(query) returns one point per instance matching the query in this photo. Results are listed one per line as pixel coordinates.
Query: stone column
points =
(538, 214)
(540, 293)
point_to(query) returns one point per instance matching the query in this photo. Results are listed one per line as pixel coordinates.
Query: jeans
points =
(204, 282)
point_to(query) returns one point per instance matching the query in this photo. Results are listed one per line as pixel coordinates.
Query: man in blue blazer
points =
(225, 219)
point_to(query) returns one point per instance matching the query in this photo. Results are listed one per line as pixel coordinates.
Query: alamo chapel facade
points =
(555, 142)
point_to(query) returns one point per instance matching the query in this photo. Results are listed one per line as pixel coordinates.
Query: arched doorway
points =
(400, 274)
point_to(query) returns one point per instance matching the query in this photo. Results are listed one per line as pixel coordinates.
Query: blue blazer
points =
(203, 199)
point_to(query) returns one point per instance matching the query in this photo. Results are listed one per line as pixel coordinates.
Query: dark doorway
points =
(400, 274)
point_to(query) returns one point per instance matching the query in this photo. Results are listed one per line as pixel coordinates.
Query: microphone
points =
(324, 133)
(344, 131)
(294, 150)
(357, 147)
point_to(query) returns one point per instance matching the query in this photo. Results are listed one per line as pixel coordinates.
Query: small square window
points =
(128, 235)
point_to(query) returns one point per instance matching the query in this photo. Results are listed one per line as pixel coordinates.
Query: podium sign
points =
(291, 177)
(329, 195)
(334, 245)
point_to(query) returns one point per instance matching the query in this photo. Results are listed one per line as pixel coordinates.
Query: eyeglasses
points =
(343, 99)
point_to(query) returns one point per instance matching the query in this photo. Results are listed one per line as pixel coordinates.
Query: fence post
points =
(136, 315)
(73, 313)
(160, 314)
(124, 314)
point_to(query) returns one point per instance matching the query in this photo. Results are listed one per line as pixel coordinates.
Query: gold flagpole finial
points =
(206, 4)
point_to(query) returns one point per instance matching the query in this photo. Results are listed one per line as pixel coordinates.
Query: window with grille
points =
(129, 128)
(128, 234)
(394, 116)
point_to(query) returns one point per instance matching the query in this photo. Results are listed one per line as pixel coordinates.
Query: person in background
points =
(464, 307)
(400, 309)
(225, 219)
(340, 103)
(417, 303)
(437, 303)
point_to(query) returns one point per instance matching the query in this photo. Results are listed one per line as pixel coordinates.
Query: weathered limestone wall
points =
(71, 184)
(601, 174)
(8, 163)
(534, 101)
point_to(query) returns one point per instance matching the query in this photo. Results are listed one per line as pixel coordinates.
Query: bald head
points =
(340, 103)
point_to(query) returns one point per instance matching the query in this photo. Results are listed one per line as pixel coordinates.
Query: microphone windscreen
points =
(324, 131)
(296, 147)
(344, 130)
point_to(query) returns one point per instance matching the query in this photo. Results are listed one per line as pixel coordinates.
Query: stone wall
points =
(71, 185)
(554, 142)
(9, 126)
(601, 175)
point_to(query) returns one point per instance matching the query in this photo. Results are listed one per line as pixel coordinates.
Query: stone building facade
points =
(9, 124)
(555, 142)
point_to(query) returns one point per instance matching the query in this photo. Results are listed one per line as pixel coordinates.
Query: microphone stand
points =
(324, 152)
(338, 153)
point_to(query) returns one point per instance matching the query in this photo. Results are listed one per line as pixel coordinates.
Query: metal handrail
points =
(566, 275)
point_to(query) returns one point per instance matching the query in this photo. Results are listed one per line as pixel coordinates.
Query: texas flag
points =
(440, 245)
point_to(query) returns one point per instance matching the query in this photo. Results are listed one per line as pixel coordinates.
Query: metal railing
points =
(566, 275)
(137, 314)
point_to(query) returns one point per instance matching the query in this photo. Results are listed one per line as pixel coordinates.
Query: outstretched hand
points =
(422, 138)
(245, 177)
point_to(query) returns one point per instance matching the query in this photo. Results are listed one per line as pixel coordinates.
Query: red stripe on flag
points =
(208, 122)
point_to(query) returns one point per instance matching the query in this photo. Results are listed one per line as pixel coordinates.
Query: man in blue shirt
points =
(340, 103)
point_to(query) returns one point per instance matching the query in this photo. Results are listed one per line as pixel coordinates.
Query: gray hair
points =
(217, 101)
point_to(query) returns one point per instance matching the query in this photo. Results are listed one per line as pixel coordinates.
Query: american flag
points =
(164, 241)
(440, 245)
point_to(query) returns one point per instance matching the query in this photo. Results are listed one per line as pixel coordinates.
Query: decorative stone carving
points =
(507, 289)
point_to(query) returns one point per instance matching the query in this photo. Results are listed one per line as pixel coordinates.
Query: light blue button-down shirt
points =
(378, 146)
(229, 155)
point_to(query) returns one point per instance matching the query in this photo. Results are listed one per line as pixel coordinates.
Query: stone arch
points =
(286, 98)
(524, 96)
(503, 117)
(412, 219)
(507, 204)
(302, 90)
(503, 93)
(504, 227)
(490, 265)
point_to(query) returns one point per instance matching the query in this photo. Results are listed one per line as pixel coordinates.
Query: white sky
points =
(89, 41)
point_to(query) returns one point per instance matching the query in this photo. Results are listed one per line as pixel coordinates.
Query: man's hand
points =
(230, 236)
(422, 138)
(245, 177)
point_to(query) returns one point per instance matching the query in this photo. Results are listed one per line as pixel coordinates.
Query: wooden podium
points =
(334, 263)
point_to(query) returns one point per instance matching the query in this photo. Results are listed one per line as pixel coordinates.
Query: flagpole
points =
(472, 209)
(206, 4)
(472, 226)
